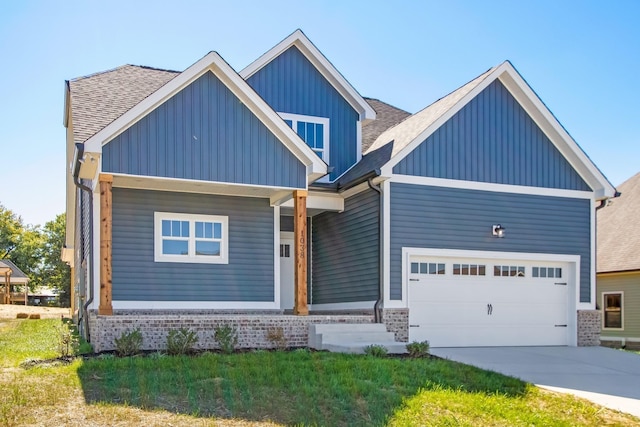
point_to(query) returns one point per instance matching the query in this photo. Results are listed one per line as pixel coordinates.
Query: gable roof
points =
(98, 99)
(411, 132)
(619, 230)
(17, 275)
(214, 63)
(386, 116)
(321, 63)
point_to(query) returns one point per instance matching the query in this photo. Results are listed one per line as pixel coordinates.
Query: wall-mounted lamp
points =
(498, 230)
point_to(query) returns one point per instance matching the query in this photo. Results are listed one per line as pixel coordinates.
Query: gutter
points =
(78, 184)
(378, 305)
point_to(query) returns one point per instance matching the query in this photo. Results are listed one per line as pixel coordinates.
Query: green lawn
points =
(258, 388)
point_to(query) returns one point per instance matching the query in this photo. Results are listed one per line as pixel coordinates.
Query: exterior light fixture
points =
(498, 230)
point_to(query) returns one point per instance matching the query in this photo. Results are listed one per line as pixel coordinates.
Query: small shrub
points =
(376, 350)
(68, 343)
(34, 316)
(157, 355)
(22, 316)
(418, 349)
(129, 343)
(181, 341)
(227, 338)
(277, 339)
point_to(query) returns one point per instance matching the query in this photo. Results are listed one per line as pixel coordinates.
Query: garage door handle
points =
(560, 326)
(489, 309)
(561, 284)
(414, 326)
(414, 280)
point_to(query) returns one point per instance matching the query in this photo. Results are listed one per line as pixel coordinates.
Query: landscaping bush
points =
(129, 343)
(376, 350)
(227, 338)
(181, 341)
(277, 339)
(418, 349)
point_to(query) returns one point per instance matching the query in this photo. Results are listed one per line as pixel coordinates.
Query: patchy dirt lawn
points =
(10, 311)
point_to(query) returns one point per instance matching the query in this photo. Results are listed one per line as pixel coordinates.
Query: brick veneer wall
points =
(397, 321)
(589, 322)
(252, 329)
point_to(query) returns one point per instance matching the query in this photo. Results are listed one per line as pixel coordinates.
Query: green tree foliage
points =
(36, 251)
(54, 272)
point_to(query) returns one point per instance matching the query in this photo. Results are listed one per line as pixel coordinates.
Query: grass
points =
(266, 388)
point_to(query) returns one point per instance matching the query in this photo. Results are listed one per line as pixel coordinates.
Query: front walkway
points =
(604, 376)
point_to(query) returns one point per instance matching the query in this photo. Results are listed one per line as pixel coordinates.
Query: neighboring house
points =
(13, 283)
(618, 278)
(279, 197)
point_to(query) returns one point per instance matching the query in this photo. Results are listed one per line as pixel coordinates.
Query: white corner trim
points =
(321, 63)
(592, 271)
(193, 305)
(214, 63)
(359, 305)
(489, 186)
(358, 141)
(276, 253)
(386, 249)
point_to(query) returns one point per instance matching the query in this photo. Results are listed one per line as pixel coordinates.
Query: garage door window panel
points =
(428, 268)
(508, 271)
(547, 272)
(469, 269)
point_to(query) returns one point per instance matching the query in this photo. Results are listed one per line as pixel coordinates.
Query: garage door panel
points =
(488, 310)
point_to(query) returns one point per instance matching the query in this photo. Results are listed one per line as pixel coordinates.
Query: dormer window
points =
(313, 130)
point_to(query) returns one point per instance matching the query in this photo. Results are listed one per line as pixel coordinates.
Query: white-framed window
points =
(547, 272)
(428, 268)
(191, 238)
(508, 271)
(612, 310)
(469, 269)
(313, 130)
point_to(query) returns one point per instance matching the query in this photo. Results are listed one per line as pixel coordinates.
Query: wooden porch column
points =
(106, 182)
(300, 246)
(6, 297)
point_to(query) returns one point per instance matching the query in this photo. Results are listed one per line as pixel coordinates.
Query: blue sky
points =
(581, 57)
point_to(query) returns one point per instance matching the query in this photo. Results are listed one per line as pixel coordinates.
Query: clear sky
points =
(581, 57)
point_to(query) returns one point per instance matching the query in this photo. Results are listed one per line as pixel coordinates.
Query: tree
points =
(54, 272)
(11, 229)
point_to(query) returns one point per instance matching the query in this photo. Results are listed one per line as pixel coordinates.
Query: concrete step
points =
(392, 347)
(356, 337)
(320, 332)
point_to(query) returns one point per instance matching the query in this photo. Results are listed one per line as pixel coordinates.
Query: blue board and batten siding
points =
(204, 133)
(449, 218)
(136, 277)
(492, 139)
(291, 84)
(345, 252)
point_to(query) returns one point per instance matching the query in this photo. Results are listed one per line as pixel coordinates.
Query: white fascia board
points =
(321, 200)
(489, 186)
(552, 128)
(321, 63)
(223, 71)
(536, 109)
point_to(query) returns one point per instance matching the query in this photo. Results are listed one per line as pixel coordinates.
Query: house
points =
(13, 283)
(279, 197)
(618, 267)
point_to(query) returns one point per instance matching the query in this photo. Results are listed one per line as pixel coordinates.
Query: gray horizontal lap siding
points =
(136, 277)
(345, 257)
(204, 133)
(492, 139)
(291, 84)
(448, 218)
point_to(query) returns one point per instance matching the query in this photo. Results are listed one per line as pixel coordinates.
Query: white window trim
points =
(324, 121)
(621, 293)
(191, 257)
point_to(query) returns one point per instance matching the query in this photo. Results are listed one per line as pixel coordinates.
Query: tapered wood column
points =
(300, 247)
(106, 183)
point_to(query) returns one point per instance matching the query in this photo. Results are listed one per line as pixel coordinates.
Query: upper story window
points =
(313, 130)
(191, 238)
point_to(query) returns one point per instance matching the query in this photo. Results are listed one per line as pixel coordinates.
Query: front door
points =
(286, 270)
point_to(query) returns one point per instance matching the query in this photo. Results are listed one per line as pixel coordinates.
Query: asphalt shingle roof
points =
(16, 273)
(406, 131)
(386, 116)
(619, 230)
(99, 99)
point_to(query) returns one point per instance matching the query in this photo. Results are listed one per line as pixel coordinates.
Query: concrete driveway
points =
(605, 376)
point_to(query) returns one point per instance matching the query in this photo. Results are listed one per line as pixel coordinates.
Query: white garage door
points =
(458, 302)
